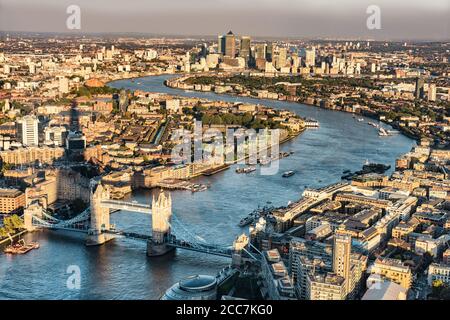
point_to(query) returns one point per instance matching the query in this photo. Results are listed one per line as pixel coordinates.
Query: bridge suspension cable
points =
(191, 237)
(63, 224)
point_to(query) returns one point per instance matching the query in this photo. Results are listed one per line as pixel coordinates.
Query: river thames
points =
(121, 270)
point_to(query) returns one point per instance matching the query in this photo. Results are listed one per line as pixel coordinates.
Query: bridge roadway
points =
(127, 206)
(79, 226)
(129, 235)
(216, 251)
(181, 244)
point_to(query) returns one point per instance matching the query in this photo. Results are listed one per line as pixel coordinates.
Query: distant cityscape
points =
(88, 122)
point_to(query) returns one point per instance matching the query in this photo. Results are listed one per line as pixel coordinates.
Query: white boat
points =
(383, 133)
(265, 161)
(246, 170)
(288, 174)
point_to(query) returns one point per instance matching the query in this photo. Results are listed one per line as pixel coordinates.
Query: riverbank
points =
(16, 235)
(174, 84)
(286, 136)
(341, 143)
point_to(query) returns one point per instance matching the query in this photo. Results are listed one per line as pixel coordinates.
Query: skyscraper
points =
(269, 52)
(341, 257)
(260, 52)
(282, 57)
(230, 45)
(221, 44)
(27, 130)
(419, 92)
(244, 50)
(310, 57)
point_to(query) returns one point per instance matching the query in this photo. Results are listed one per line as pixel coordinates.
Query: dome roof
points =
(198, 283)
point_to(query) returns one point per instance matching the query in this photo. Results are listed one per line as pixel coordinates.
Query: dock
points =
(215, 170)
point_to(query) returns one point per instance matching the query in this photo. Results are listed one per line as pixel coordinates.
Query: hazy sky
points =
(400, 19)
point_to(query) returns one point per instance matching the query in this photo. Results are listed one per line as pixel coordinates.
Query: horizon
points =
(285, 19)
(208, 37)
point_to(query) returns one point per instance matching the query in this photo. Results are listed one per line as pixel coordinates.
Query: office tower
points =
(204, 50)
(282, 57)
(244, 50)
(27, 130)
(269, 52)
(55, 135)
(260, 51)
(230, 45)
(341, 257)
(295, 62)
(432, 92)
(310, 57)
(221, 44)
(419, 91)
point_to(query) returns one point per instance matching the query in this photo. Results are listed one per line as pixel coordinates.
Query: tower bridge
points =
(168, 233)
(127, 206)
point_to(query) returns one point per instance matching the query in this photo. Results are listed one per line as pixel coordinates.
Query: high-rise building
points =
(230, 45)
(432, 92)
(282, 57)
(310, 57)
(341, 257)
(419, 91)
(260, 51)
(221, 44)
(55, 135)
(27, 130)
(244, 50)
(269, 52)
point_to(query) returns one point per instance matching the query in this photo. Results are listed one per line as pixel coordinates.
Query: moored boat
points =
(246, 170)
(21, 247)
(288, 174)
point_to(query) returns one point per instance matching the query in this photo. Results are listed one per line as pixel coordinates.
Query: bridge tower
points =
(34, 209)
(99, 217)
(239, 244)
(161, 228)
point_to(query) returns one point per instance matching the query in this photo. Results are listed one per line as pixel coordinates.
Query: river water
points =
(121, 270)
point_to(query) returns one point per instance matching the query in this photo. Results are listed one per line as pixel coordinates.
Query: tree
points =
(11, 224)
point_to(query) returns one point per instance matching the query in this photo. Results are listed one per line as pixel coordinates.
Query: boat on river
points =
(246, 169)
(21, 247)
(255, 215)
(288, 174)
(199, 188)
(246, 221)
